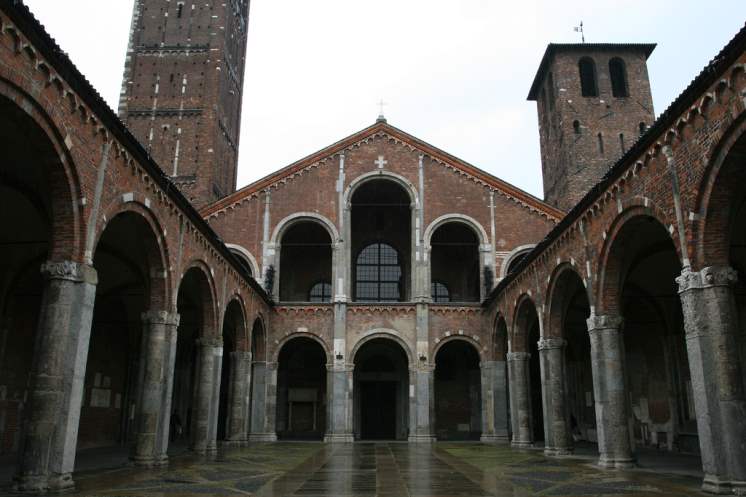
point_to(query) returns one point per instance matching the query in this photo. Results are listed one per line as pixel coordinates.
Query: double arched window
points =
(378, 274)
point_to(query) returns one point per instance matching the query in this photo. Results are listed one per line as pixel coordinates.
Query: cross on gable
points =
(381, 162)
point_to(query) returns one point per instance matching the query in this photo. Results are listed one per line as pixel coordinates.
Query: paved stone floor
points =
(380, 469)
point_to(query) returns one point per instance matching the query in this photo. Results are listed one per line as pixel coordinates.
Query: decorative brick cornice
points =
(381, 309)
(708, 277)
(304, 309)
(456, 309)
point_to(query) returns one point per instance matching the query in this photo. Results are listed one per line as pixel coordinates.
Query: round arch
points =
(258, 327)
(385, 333)
(67, 224)
(242, 341)
(298, 217)
(520, 329)
(381, 175)
(456, 218)
(292, 336)
(556, 291)
(247, 256)
(610, 271)
(519, 251)
(210, 300)
(459, 338)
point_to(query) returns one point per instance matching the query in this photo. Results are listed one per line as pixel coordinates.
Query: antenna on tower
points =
(579, 29)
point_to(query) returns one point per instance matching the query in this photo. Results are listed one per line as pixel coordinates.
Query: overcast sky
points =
(454, 72)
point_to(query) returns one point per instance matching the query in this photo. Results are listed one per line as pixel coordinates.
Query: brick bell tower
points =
(182, 88)
(594, 100)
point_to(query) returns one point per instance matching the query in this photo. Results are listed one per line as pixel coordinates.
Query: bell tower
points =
(594, 101)
(182, 88)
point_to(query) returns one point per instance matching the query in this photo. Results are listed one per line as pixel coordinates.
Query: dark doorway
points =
(378, 410)
(458, 405)
(380, 391)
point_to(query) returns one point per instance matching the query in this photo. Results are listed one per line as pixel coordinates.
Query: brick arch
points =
(609, 270)
(209, 296)
(311, 336)
(499, 338)
(557, 298)
(300, 217)
(711, 233)
(158, 256)
(248, 257)
(381, 175)
(242, 339)
(460, 338)
(262, 351)
(521, 321)
(387, 334)
(68, 223)
(463, 219)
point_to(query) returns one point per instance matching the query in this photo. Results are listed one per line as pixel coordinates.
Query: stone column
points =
(235, 424)
(339, 403)
(171, 335)
(258, 399)
(207, 368)
(270, 412)
(212, 426)
(50, 428)
(556, 426)
(520, 404)
(422, 404)
(494, 399)
(247, 397)
(151, 386)
(610, 391)
(711, 325)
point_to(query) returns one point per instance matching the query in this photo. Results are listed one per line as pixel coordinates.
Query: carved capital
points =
(210, 342)
(552, 343)
(604, 322)
(241, 355)
(708, 277)
(518, 356)
(160, 317)
(70, 271)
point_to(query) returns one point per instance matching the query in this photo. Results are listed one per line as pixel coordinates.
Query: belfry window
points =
(321, 292)
(381, 240)
(618, 76)
(588, 79)
(379, 274)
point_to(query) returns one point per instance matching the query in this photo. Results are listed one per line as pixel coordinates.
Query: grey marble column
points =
(258, 400)
(270, 412)
(494, 402)
(207, 368)
(149, 408)
(711, 325)
(237, 413)
(610, 391)
(214, 412)
(422, 404)
(339, 403)
(520, 403)
(50, 428)
(169, 365)
(556, 425)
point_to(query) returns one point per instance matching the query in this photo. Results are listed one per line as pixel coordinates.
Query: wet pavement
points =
(379, 469)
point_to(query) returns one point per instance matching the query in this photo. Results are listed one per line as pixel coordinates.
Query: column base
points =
(232, 443)
(558, 451)
(712, 484)
(341, 438)
(518, 444)
(263, 437)
(61, 483)
(494, 439)
(616, 463)
(422, 439)
(145, 462)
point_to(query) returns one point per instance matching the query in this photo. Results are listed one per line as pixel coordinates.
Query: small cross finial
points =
(381, 105)
(381, 162)
(579, 29)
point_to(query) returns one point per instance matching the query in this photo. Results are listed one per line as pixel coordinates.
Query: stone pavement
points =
(380, 469)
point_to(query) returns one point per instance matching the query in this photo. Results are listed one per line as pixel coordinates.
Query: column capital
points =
(271, 366)
(518, 356)
(215, 342)
(70, 271)
(552, 343)
(708, 277)
(160, 317)
(604, 322)
(241, 354)
(343, 367)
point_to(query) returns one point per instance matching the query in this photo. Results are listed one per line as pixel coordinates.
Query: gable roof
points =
(381, 127)
(554, 48)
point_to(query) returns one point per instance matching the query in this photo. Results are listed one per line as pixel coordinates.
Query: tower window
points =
(643, 128)
(576, 126)
(588, 80)
(179, 10)
(600, 143)
(618, 75)
(621, 142)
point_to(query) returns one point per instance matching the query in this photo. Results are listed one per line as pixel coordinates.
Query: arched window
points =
(576, 126)
(618, 75)
(454, 261)
(320, 292)
(588, 80)
(439, 292)
(305, 259)
(243, 261)
(378, 274)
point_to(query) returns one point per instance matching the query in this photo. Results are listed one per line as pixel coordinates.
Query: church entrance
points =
(380, 391)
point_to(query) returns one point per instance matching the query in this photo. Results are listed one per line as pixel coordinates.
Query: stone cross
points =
(380, 162)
